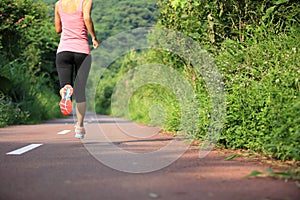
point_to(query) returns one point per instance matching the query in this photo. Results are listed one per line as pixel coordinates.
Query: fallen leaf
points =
(254, 173)
(231, 156)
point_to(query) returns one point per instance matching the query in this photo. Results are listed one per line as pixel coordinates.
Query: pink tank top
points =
(74, 36)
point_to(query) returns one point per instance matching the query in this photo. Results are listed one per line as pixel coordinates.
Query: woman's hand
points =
(95, 43)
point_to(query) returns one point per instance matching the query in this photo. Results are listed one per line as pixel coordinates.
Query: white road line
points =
(64, 132)
(24, 149)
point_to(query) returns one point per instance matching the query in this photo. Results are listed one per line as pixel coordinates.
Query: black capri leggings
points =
(70, 65)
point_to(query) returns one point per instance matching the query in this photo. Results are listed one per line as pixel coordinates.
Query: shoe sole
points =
(79, 136)
(66, 103)
(66, 106)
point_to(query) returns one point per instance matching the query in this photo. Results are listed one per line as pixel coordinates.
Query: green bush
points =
(211, 22)
(263, 90)
(26, 97)
(255, 45)
(27, 51)
(10, 113)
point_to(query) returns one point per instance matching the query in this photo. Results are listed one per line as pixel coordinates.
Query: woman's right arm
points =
(57, 20)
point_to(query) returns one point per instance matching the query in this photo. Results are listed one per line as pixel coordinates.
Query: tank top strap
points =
(60, 5)
(81, 5)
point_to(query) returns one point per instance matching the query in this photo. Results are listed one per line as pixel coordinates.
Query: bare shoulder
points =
(56, 4)
(87, 3)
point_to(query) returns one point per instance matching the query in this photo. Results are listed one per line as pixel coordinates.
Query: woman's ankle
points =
(79, 124)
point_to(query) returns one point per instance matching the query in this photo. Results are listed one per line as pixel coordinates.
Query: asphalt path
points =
(55, 165)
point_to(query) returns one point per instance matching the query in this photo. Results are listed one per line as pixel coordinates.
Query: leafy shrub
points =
(255, 47)
(255, 44)
(211, 22)
(262, 84)
(27, 98)
(10, 113)
(27, 53)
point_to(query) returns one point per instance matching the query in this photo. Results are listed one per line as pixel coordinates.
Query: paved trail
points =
(58, 166)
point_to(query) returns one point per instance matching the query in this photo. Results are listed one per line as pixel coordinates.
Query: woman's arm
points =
(87, 8)
(57, 19)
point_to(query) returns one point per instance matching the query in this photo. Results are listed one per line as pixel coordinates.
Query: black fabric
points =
(73, 69)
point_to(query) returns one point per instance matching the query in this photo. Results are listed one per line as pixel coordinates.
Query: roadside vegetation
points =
(255, 45)
(28, 75)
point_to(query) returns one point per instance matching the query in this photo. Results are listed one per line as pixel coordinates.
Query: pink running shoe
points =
(66, 102)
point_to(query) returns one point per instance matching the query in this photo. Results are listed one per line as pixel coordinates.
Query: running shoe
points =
(79, 132)
(66, 102)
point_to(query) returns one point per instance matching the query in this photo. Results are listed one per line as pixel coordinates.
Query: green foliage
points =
(262, 83)
(291, 174)
(232, 156)
(9, 113)
(114, 16)
(256, 48)
(155, 100)
(160, 104)
(105, 90)
(27, 50)
(211, 22)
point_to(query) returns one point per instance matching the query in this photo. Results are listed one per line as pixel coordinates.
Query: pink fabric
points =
(74, 36)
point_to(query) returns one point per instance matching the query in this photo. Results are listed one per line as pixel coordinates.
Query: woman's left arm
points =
(87, 7)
